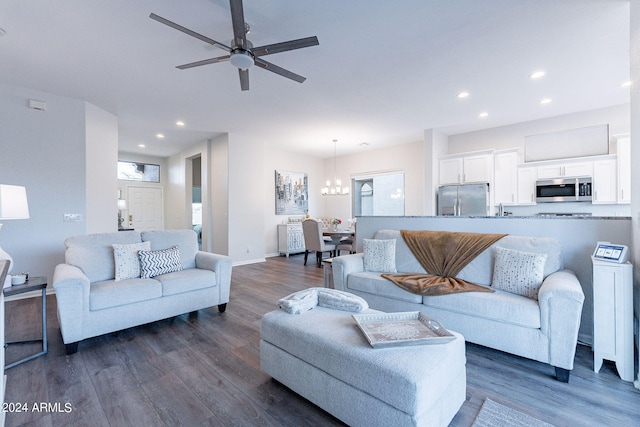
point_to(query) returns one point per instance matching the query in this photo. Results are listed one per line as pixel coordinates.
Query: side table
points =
(328, 272)
(33, 284)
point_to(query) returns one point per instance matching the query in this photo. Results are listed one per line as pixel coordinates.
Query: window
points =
(143, 172)
(378, 195)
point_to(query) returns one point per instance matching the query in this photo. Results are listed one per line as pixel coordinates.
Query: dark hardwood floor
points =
(204, 370)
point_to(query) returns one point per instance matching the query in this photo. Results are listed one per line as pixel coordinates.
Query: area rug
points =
(493, 414)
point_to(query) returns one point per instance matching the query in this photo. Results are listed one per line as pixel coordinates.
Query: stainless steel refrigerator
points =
(464, 200)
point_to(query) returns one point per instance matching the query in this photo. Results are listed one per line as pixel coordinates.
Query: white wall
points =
(46, 152)
(408, 158)
(246, 199)
(218, 202)
(635, 154)
(101, 134)
(291, 162)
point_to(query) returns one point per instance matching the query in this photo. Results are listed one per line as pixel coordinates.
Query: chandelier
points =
(335, 188)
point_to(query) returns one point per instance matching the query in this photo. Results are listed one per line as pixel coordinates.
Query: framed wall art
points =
(292, 193)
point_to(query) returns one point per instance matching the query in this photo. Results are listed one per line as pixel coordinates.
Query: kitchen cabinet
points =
(527, 185)
(290, 238)
(604, 182)
(568, 169)
(505, 177)
(624, 170)
(465, 169)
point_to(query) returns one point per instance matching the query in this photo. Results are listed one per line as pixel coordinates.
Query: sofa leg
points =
(71, 348)
(222, 307)
(562, 374)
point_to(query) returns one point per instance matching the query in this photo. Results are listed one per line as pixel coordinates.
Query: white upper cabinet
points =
(624, 170)
(450, 171)
(463, 169)
(527, 185)
(568, 169)
(604, 182)
(505, 177)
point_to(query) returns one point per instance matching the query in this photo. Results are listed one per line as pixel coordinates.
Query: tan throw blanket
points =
(443, 254)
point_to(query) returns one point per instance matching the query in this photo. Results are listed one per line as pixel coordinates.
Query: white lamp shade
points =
(13, 202)
(122, 204)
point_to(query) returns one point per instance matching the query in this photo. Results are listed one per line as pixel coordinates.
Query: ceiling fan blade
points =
(284, 46)
(279, 70)
(189, 32)
(237, 20)
(204, 62)
(244, 78)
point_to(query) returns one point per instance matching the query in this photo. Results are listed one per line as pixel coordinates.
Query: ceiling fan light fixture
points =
(242, 60)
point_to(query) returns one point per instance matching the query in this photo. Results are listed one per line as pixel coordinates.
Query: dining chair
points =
(347, 244)
(314, 241)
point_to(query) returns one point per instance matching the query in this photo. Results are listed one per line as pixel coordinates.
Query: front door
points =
(145, 208)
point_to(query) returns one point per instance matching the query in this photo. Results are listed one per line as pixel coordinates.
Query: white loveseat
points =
(545, 329)
(91, 302)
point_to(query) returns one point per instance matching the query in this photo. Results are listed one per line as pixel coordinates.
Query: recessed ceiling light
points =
(537, 74)
(483, 115)
(463, 94)
(142, 146)
(626, 84)
(364, 144)
(159, 135)
(545, 101)
(179, 123)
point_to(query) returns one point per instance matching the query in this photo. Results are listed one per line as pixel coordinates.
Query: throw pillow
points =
(518, 272)
(154, 263)
(380, 255)
(127, 263)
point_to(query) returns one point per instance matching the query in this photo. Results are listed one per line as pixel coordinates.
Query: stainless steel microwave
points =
(564, 190)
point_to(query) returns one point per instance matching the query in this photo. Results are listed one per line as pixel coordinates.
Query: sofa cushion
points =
(186, 280)
(480, 270)
(111, 293)
(380, 255)
(405, 261)
(518, 272)
(127, 262)
(499, 306)
(186, 240)
(372, 283)
(155, 263)
(93, 253)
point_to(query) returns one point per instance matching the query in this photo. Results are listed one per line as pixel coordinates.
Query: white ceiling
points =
(383, 73)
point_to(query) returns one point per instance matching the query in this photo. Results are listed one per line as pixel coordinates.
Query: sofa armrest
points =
(221, 265)
(72, 298)
(343, 266)
(561, 298)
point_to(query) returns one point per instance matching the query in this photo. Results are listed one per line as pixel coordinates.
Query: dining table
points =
(337, 235)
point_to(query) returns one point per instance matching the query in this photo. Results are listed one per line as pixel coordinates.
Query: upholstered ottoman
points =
(323, 356)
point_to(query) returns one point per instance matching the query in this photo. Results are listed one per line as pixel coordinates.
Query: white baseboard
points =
(249, 261)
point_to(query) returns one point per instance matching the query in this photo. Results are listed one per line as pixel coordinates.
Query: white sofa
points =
(91, 302)
(545, 329)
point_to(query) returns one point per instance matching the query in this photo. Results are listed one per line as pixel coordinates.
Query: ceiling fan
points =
(242, 54)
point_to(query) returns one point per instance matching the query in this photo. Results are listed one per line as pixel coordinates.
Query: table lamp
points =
(13, 205)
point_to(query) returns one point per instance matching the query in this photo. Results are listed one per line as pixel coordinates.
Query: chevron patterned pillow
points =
(154, 263)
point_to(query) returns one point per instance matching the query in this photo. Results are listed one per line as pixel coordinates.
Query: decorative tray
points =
(401, 329)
